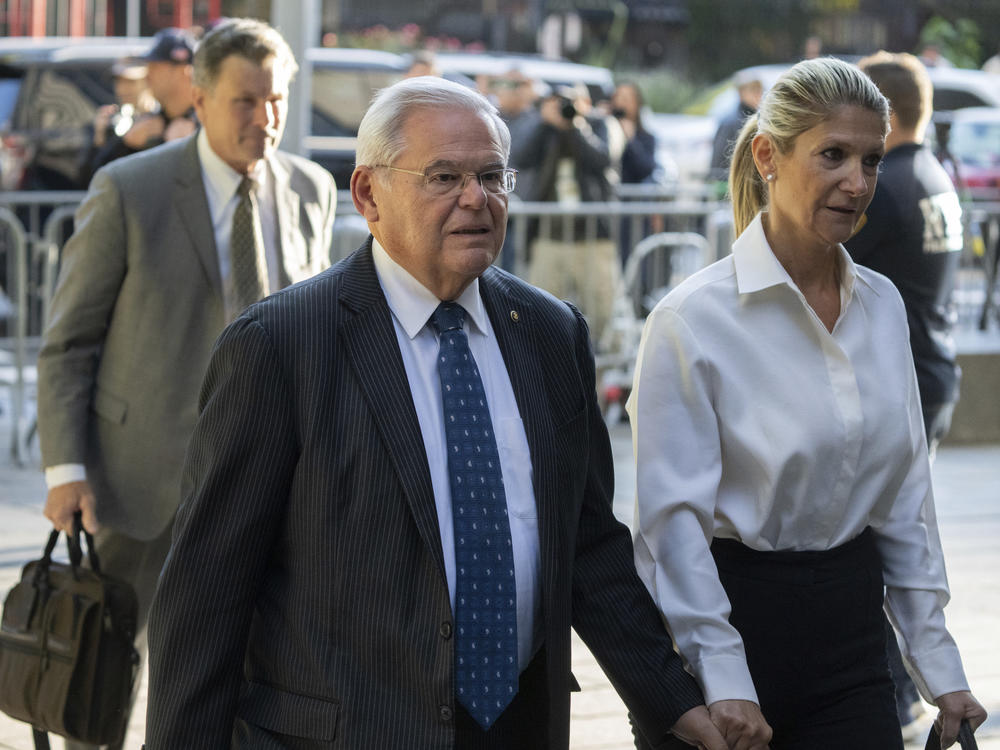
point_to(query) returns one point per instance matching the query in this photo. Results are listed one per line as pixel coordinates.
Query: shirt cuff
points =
(725, 678)
(64, 474)
(939, 672)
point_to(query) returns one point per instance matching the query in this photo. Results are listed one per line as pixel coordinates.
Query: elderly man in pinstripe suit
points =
(320, 590)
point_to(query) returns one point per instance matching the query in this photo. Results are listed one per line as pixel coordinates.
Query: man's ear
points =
(199, 96)
(363, 193)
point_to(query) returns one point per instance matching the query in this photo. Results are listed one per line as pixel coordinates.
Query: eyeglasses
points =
(441, 182)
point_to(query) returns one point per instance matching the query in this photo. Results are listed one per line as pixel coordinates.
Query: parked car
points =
(554, 73)
(683, 145)
(344, 80)
(343, 83)
(954, 88)
(973, 149)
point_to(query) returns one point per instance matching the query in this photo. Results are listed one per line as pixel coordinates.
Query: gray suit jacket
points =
(305, 600)
(136, 310)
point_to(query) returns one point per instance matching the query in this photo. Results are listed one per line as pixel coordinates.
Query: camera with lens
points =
(121, 121)
(566, 107)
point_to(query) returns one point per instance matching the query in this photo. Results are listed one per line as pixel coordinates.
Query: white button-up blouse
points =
(752, 422)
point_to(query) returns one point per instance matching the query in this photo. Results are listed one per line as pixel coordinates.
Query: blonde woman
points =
(783, 478)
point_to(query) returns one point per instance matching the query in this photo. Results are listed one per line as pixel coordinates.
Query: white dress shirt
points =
(753, 422)
(412, 304)
(221, 182)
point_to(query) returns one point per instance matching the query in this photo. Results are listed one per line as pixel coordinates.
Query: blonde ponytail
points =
(746, 189)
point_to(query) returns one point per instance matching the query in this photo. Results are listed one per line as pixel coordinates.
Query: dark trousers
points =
(937, 422)
(524, 723)
(814, 632)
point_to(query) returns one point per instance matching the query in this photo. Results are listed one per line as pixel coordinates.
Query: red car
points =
(973, 150)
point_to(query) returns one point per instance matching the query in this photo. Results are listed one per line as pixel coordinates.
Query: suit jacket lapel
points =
(192, 205)
(370, 342)
(514, 324)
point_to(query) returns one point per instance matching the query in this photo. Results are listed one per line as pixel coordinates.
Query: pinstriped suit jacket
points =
(305, 595)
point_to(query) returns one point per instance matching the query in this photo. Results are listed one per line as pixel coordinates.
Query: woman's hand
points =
(952, 708)
(741, 724)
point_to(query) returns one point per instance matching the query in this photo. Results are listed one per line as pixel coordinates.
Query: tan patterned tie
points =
(247, 270)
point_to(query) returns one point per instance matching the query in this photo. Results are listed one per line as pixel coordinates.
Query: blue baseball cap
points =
(172, 45)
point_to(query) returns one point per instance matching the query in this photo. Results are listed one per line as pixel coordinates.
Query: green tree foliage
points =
(663, 90)
(726, 35)
(958, 41)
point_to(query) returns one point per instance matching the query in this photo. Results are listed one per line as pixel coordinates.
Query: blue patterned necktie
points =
(485, 594)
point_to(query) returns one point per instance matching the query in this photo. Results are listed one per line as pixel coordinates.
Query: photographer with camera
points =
(168, 66)
(639, 155)
(570, 154)
(132, 99)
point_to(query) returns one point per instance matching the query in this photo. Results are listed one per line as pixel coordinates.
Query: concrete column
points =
(298, 22)
(133, 11)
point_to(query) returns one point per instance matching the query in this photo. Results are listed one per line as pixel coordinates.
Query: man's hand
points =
(179, 127)
(551, 111)
(952, 708)
(102, 118)
(741, 724)
(66, 499)
(695, 727)
(143, 131)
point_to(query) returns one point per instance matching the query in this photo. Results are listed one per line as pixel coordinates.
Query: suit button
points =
(446, 713)
(445, 630)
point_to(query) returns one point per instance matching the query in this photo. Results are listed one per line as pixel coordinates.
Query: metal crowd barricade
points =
(639, 218)
(33, 228)
(13, 364)
(37, 225)
(982, 221)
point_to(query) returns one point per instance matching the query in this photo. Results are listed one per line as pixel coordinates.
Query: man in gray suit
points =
(397, 500)
(167, 250)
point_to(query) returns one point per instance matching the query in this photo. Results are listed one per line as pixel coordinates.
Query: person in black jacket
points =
(169, 74)
(750, 90)
(639, 157)
(340, 518)
(913, 235)
(133, 100)
(566, 152)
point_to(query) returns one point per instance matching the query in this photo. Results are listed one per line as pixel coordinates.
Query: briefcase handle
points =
(966, 739)
(75, 550)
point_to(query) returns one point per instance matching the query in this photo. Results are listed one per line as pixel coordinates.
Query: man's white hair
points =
(380, 135)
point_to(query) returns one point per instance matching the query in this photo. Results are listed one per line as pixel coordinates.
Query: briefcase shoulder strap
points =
(41, 739)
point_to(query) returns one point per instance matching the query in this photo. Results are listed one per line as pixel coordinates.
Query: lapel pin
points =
(515, 316)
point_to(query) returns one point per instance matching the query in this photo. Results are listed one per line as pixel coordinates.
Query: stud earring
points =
(770, 177)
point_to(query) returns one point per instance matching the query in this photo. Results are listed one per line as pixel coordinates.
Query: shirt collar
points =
(412, 303)
(758, 268)
(221, 179)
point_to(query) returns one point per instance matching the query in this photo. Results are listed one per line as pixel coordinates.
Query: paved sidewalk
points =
(967, 481)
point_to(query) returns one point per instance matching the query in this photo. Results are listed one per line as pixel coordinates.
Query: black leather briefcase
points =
(67, 658)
